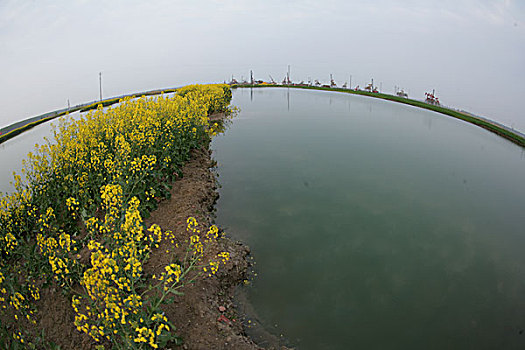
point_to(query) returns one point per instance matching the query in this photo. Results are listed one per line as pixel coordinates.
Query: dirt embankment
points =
(197, 314)
(205, 316)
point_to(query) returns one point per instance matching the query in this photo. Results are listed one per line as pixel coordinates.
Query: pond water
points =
(374, 225)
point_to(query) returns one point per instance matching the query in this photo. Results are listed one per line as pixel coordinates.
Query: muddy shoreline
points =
(205, 316)
(214, 312)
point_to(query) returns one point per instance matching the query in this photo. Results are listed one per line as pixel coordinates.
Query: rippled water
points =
(374, 225)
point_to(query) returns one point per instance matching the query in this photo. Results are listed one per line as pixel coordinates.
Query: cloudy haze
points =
(471, 52)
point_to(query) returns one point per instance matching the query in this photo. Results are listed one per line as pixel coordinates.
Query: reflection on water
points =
(375, 226)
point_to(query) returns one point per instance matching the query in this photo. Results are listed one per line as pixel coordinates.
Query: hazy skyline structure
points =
(471, 52)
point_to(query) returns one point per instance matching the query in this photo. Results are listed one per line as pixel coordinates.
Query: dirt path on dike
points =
(197, 314)
(205, 316)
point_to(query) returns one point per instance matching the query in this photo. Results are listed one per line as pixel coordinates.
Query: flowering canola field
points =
(77, 224)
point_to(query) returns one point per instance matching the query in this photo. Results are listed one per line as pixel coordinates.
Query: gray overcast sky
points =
(471, 51)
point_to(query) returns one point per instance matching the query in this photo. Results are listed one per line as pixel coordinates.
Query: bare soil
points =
(197, 313)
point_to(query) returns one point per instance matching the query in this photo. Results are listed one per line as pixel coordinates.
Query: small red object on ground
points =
(224, 319)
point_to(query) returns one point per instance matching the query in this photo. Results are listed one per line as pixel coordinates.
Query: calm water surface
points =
(375, 225)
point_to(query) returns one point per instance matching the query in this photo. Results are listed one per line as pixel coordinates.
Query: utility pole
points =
(251, 77)
(288, 76)
(68, 106)
(100, 84)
